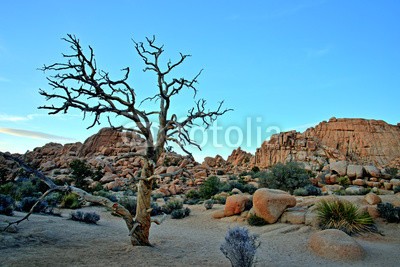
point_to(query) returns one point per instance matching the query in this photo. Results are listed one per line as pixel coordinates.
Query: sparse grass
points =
(344, 216)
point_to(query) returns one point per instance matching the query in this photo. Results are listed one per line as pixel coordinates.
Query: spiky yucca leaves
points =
(344, 216)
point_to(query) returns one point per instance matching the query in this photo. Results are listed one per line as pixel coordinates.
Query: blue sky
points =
(280, 65)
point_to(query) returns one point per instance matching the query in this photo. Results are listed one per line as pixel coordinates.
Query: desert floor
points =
(192, 241)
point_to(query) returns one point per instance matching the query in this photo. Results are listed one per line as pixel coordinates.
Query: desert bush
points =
(171, 205)
(192, 201)
(180, 213)
(393, 172)
(106, 194)
(255, 169)
(208, 204)
(396, 189)
(254, 220)
(228, 186)
(218, 199)
(80, 170)
(155, 209)
(313, 190)
(26, 188)
(129, 203)
(210, 187)
(249, 188)
(300, 192)
(192, 194)
(388, 212)
(6, 205)
(27, 203)
(240, 247)
(285, 177)
(54, 198)
(70, 201)
(344, 216)
(86, 217)
(7, 188)
(344, 181)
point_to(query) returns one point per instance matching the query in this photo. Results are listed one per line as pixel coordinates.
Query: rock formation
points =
(359, 141)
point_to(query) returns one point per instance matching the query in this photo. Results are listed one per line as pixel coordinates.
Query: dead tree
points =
(78, 84)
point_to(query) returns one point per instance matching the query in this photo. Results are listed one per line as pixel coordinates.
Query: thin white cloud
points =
(4, 79)
(15, 118)
(11, 118)
(319, 52)
(34, 134)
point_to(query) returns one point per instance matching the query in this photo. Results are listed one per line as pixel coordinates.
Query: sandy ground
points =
(192, 241)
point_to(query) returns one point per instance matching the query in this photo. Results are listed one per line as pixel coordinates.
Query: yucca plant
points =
(344, 216)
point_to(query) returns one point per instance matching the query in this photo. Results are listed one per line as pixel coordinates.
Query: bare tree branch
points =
(79, 84)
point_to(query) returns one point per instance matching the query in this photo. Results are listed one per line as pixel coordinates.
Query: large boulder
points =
(335, 244)
(340, 167)
(236, 204)
(372, 171)
(355, 171)
(269, 204)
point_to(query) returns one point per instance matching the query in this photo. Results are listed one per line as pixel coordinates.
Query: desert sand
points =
(192, 241)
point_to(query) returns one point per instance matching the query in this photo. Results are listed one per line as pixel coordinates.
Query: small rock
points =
(218, 214)
(372, 198)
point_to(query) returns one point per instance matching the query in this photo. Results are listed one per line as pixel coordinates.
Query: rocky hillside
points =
(358, 141)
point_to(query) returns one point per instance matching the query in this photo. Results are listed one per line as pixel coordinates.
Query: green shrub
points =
(106, 194)
(344, 216)
(129, 203)
(210, 187)
(6, 205)
(219, 199)
(344, 181)
(340, 192)
(86, 217)
(24, 189)
(313, 190)
(180, 213)
(285, 177)
(388, 212)
(70, 201)
(393, 172)
(171, 205)
(228, 186)
(208, 204)
(81, 170)
(249, 188)
(155, 209)
(7, 188)
(27, 203)
(254, 220)
(300, 192)
(193, 194)
(396, 189)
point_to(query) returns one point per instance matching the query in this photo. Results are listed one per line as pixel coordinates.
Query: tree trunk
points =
(142, 221)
